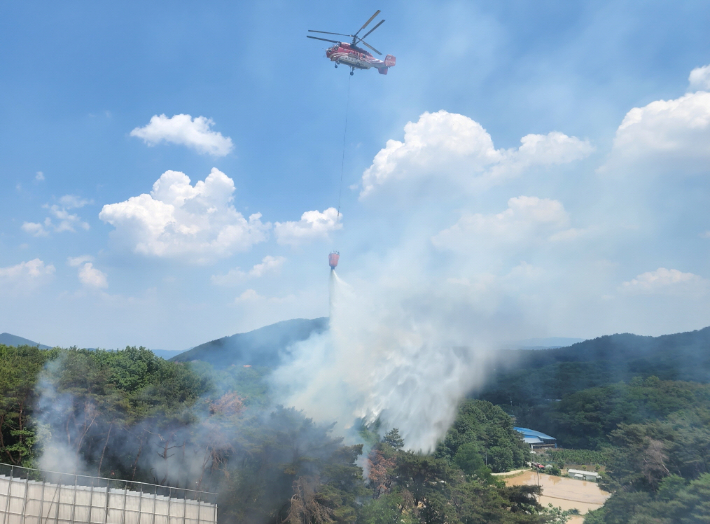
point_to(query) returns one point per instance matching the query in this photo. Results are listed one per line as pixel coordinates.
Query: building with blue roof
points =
(537, 439)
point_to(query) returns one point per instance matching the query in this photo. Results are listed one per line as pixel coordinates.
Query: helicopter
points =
(353, 56)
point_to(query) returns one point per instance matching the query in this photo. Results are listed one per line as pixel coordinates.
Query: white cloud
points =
(267, 265)
(450, 147)
(25, 276)
(39, 177)
(699, 79)
(77, 261)
(313, 225)
(571, 234)
(66, 220)
(665, 135)
(73, 202)
(232, 278)
(35, 229)
(63, 219)
(248, 296)
(705, 234)
(526, 220)
(183, 130)
(235, 276)
(92, 277)
(251, 297)
(666, 281)
(177, 220)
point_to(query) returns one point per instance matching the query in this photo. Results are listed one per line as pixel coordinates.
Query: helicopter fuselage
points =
(355, 57)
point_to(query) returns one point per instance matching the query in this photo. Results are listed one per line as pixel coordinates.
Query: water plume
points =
(398, 351)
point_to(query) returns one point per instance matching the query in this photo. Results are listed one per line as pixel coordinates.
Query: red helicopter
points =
(353, 56)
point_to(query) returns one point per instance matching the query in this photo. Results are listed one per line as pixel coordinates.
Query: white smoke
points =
(418, 327)
(397, 351)
(59, 433)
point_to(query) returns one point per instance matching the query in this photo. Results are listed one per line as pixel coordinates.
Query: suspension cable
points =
(345, 134)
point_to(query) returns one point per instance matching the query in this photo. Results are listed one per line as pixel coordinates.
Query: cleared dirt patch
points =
(564, 492)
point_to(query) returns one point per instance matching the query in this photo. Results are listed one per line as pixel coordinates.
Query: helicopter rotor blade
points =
(324, 39)
(366, 23)
(371, 30)
(327, 33)
(368, 45)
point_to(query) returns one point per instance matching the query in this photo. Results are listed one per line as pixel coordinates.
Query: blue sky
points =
(628, 204)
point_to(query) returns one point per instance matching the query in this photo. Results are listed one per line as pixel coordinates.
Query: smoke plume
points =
(399, 351)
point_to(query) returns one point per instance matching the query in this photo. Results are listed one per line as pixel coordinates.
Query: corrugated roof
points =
(582, 472)
(532, 433)
(532, 440)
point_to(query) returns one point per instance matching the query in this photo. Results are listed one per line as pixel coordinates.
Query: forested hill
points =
(13, 340)
(130, 415)
(625, 346)
(536, 375)
(261, 347)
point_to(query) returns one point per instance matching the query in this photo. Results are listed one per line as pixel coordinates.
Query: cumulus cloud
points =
(73, 202)
(251, 297)
(65, 221)
(35, 229)
(184, 130)
(314, 225)
(267, 265)
(39, 177)
(236, 276)
(77, 261)
(665, 281)
(89, 276)
(665, 135)
(178, 220)
(248, 296)
(526, 220)
(61, 219)
(699, 79)
(450, 147)
(25, 276)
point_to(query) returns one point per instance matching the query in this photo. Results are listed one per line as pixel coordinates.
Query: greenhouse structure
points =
(29, 496)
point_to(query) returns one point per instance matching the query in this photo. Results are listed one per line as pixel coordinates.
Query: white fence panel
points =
(76, 499)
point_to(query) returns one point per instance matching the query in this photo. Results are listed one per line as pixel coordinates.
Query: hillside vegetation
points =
(209, 423)
(531, 377)
(261, 347)
(639, 407)
(131, 415)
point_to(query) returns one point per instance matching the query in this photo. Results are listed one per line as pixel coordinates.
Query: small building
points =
(536, 439)
(580, 474)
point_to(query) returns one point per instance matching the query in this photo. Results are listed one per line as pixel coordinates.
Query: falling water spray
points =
(399, 351)
(333, 259)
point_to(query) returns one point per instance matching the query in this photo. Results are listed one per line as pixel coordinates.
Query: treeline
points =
(130, 415)
(578, 457)
(651, 435)
(659, 470)
(484, 433)
(586, 418)
(408, 488)
(528, 378)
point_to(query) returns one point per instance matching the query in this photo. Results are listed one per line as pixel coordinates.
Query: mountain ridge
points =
(529, 376)
(260, 347)
(8, 339)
